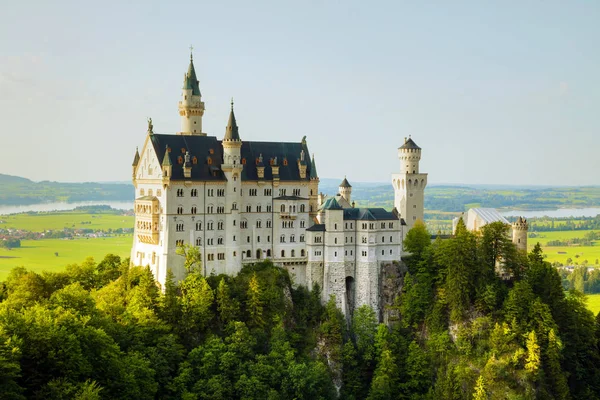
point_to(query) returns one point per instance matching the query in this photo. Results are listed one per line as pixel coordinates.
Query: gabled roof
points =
(331, 204)
(409, 144)
(369, 214)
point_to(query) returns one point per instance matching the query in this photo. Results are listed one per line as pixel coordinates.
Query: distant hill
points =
(13, 179)
(440, 197)
(22, 191)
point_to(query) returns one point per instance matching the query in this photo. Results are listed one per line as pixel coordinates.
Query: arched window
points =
(282, 253)
(302, 253)
(302, 208)
(248, 254)
(283, 208)
(268, 252)
(293, 253)
(209, 161)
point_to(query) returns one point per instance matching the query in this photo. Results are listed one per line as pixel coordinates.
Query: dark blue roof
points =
(368, 214)
(317, 228)
(201, 146)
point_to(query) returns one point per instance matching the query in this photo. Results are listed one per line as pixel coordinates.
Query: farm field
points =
(589, 253)
(69, 219)
(593, 303)
(38, 255)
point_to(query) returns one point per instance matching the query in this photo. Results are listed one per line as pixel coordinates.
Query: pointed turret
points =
(191, 106)
(313, 169)
(167, 167)
(136, 161)
(345, 189)
(231, 131)
(167, 158)
(190, 81)
(136, 158)
(232, 144)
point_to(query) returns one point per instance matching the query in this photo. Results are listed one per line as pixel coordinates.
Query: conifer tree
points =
(170, 305)
(227, 307)
(254, 304)
(556, 377)
(480, 392)
(532, 362)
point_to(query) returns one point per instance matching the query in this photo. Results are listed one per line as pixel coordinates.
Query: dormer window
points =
(194, 160)
(243, 161)
(169, 149)
(209, 161)
(182, 150)
(179, 160)
(211, 151)
(285, 162)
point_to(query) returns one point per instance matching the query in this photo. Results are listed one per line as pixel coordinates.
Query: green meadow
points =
(593, 303)
(562, 253)
(39, 255)
(68, 219)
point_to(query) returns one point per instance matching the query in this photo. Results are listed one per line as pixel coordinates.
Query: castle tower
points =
(409, 184)
(313, 189)
(191, 106)
(232, 168)
(519, 233)
(345, 190)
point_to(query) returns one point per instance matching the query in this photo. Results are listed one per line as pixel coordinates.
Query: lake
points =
(559, 213)
(121, 205)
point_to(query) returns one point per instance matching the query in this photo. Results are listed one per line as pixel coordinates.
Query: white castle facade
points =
(241, 202)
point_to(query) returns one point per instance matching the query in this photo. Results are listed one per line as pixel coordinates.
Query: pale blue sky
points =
(502, 92)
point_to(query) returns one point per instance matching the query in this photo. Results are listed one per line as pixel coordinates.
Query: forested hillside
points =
(21, 191)
(104, 330)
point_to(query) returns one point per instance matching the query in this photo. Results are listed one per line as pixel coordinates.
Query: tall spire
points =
(232, 132)
(167, 159)
(313, 168)
(190, 80)
(136, 158)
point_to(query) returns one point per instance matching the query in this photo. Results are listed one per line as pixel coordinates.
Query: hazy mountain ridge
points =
(440, 197)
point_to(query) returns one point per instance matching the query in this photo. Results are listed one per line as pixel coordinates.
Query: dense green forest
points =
(106, 331)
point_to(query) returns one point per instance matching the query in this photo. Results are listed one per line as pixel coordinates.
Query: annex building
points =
(241, 202)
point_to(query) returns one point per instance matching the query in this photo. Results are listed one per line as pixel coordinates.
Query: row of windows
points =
(221, 192)
(292, 208)
(151, 193)
(292, 239)
(248, 253)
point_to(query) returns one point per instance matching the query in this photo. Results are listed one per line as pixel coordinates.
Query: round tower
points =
(191, 106)
(345, 190)
(519, 233)
(410, 155)
(409, 184)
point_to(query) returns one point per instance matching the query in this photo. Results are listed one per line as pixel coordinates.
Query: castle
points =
(241, 202)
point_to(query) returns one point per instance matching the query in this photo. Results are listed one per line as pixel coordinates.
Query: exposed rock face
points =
(390, 285)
